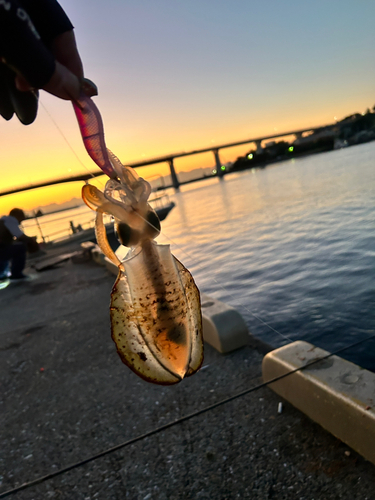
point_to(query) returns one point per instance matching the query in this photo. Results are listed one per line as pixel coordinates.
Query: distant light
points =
(214, 171)
(250, 156)
(222, 167)
(290, 149)
(335, 117)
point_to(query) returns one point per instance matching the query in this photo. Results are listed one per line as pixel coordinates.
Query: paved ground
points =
(65, 395)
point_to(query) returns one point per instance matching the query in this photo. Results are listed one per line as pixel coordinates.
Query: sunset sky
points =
(175, 76)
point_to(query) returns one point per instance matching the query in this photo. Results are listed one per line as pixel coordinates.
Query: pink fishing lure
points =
(92, 131)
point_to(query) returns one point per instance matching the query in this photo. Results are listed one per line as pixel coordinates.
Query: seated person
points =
(14, 244)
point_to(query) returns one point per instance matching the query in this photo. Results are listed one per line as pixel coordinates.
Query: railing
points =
(59, 227)
(51, 228)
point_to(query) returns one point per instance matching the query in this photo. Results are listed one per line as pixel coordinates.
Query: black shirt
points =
(27, 28)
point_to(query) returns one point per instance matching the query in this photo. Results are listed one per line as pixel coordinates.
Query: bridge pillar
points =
(298, 135)
(259, 147)
(175, 181)
(219, 171)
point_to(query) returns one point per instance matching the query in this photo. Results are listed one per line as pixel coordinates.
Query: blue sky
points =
(218, 64)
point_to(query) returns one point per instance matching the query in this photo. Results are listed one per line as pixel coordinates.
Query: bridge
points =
(170, 160)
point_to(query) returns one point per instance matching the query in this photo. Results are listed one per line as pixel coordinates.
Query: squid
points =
(155, 310)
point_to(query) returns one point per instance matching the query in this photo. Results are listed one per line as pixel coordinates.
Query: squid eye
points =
(126, 235)
(123, 232)
(154, 227)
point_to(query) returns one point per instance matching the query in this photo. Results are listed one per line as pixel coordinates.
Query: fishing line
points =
(186, 417)
(169, 239)
(69, 145)
(285, 337)
(67, 142)
(175, 422)
(236, 300)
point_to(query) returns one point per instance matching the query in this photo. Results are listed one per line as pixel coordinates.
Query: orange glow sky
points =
(176, 76)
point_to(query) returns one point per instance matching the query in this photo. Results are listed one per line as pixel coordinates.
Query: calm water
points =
(292, 244)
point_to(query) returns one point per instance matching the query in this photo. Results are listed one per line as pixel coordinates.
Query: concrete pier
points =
(65, 396)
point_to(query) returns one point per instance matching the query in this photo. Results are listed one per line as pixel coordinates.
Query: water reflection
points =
(225, 199)
(293, 243)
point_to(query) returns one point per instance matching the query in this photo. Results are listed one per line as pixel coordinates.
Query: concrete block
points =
(223, 326)
(337, 394)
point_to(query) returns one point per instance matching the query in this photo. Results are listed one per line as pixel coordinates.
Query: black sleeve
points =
(22, 45)
(48, 17)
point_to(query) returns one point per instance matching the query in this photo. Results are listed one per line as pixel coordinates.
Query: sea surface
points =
(291, 246)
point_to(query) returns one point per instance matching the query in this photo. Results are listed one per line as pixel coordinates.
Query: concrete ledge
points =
(223, 326)
(337, 394)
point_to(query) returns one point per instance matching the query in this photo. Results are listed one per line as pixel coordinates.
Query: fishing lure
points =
(155, 309)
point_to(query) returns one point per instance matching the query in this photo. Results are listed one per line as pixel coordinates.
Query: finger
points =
(6, 106)
(89, 88)
(25, 104)
(63, 84)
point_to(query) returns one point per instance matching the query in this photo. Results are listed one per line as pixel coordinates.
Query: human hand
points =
(45, 59)
(32, 245)
(67, 81)
(12, 100)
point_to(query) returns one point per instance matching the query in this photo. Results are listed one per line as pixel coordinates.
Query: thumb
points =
(63, 84)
